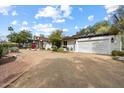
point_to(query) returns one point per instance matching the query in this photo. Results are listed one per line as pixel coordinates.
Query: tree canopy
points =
(100, 28)
(19, 37)
(56, 37)
(118, 18)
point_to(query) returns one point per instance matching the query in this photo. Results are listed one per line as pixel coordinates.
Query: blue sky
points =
(43, 19)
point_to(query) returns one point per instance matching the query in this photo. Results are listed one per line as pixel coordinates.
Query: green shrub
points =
(48, 49)
(5, 51)
(43, 48)
(54, 48)
(14, 49)
(29, 46)
(117, 53)
(9, 44)
(1, 50)
(5, 47)
(60, 49)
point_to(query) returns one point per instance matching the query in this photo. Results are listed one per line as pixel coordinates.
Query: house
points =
(93, 43)
(41, 42)
(90, 43)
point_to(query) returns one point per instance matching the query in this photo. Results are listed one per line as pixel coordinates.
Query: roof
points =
(85, 36)
(41, 38)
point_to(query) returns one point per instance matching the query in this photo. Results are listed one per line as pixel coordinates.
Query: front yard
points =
(51, 69)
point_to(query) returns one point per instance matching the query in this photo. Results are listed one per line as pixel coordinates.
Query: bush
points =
(54, 48)
(43, 48)
(117, 53)
(48, 49)
(5, 47)
(14, 49)
(60, 49)
(9, 44)
(5, 51)
(1, 50)
(29, 46)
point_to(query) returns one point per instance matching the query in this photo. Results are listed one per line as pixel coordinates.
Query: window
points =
(65, 43)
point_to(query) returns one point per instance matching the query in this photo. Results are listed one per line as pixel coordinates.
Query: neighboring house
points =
(41, 42)
(99, 44)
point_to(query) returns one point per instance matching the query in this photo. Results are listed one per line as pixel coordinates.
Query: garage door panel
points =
(98, 46)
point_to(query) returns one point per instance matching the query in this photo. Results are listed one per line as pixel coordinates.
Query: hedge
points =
(117, 53)
(8, 44)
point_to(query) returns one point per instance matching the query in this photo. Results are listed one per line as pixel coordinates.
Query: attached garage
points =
(98, 45)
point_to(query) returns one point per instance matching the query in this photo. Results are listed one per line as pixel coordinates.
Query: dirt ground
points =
(69, 70)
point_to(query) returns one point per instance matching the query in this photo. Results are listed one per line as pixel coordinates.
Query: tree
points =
(114, 30)
(20, 37)
(101, 27)
(13, 37)
(10, 28)
(118, 18)
(97, 28)
(23, 36)
(56, 38)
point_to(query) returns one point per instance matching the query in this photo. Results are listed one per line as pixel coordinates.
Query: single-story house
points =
(93, 43)
(41, 42)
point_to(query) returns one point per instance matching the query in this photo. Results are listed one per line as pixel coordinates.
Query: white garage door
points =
(95, 46)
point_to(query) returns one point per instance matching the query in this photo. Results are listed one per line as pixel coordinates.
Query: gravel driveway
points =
(70, 70)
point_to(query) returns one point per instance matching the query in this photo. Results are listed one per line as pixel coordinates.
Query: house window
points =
(65, 43)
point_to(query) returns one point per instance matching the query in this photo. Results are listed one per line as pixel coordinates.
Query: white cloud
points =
(66, 9)
(44, 27)
(24, 23)
(76, 27)
(4, 10)
(111, 8)
(37, 34)
(49, 11)
(14, 13)
(107, 17)
(59, 20)
(80, 9)
(24, 28)
(85, 26)
(65, 29)
(58, 14)
(91, 17)
(14, 22)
